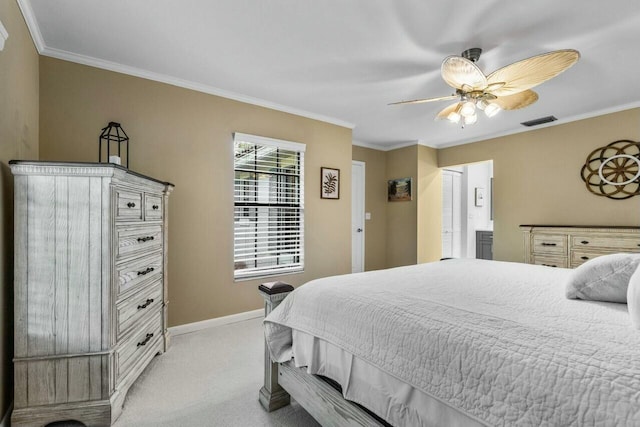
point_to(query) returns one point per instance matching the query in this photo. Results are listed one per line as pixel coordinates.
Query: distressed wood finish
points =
(571, 246)
(322, 401)
(90, 290)
(272, 396)
(283, 381)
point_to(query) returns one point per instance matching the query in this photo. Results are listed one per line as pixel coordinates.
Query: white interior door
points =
(451, 213)
(357, 216)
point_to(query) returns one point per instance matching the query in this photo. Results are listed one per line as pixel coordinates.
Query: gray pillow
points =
(633, 299)
(605, 278)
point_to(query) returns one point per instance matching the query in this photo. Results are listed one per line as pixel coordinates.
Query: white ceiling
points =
(343, 61)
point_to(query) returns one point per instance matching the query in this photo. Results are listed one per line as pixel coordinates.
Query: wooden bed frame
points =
(283, 381)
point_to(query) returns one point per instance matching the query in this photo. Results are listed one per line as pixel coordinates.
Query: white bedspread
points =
(498, 341)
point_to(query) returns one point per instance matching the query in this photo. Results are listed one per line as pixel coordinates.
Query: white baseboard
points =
(5, 420)
(209, 323)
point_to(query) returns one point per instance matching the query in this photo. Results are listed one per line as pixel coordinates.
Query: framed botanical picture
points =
(399, 190)
(329, 183)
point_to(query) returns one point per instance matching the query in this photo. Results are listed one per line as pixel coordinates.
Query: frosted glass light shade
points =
(454, 117)
(469, 120)
(492, 109)
(468, 109)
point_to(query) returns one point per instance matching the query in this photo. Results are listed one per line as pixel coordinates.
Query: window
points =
(269, 206)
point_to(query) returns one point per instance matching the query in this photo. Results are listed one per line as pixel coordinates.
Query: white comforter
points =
(498, 341)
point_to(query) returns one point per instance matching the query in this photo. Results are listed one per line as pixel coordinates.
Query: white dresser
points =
(90, 288)
(569, 246)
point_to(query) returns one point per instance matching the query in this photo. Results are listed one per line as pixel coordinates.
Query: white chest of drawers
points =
(571, 246)
(90, 288)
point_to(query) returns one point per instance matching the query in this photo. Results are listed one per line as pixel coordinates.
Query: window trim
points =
(280, 144)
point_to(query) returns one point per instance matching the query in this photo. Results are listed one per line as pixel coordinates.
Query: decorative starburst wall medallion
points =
(613, 171)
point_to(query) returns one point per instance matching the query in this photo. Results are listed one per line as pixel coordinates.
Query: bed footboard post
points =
(272, 396)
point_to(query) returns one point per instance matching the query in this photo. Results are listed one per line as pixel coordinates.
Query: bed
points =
(455, 343)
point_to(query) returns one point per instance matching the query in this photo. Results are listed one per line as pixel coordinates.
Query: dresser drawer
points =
(128, 205)
(580, 256)
(138, 345)
(152, 207)
(550, 261)
(133, 240)
(136, 306)
(550, 244)
(619, 244)
(134, 273)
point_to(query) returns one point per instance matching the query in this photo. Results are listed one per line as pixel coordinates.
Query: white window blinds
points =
(269, 206)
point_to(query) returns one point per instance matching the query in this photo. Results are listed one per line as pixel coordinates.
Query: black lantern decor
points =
(114, 133)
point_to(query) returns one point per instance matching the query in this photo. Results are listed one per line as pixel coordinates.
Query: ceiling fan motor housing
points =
(472, 54)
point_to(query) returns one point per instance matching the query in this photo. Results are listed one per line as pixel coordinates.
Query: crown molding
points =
(174, 81)
(368, 145)
(566, 120)
(43, 49)
(32, 24)
(393, 146)
(403, 144)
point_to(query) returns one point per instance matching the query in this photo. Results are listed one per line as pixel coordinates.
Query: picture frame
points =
(399, 190)
(479, 196)
(329, 183)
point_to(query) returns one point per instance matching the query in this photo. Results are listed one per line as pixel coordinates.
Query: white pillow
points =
(605, 278)
(633, 298)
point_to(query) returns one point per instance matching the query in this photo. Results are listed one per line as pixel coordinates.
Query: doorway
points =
(451, 213)
(357, 216)
(467, 214)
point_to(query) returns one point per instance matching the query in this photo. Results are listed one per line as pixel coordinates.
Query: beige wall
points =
(429, 215)
(402, 233)
(18, 140)
(375, 203)
(185, 137)
(402, 217)
(537, 177)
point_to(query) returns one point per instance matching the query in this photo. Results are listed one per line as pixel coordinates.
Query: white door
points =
(451, 213)
(357, 216)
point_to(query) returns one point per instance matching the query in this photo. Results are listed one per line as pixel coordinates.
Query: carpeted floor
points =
(208, 378)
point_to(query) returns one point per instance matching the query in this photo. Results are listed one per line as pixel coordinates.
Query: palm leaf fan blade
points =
(421, 101)
(458, 71)
(530, 72)
(516, 101)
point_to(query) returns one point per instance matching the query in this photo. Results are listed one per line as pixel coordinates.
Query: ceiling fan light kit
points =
(508, 88)
(455, 116)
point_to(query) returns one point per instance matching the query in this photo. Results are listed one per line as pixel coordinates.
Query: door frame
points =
(354, 219)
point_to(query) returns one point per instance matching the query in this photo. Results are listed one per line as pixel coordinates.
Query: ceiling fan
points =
(508, 88)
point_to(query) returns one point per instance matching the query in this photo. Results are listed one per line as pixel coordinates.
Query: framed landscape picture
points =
(329, 183)
(399, 190)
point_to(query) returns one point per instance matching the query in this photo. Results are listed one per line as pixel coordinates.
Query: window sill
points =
(265, 276)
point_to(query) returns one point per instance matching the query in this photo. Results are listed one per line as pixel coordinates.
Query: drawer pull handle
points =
(146, 340)
(155, 207)
(584, 257)
(143, 272)
(549, 265)
(549, 244)
(146, 304)
(585, 242)
(145, 239)
(131, 205)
